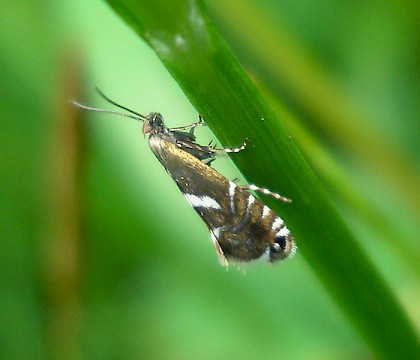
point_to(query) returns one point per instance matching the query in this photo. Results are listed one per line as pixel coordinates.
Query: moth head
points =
(153, 124)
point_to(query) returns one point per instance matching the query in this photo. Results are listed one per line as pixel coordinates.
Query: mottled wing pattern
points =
(242, 228)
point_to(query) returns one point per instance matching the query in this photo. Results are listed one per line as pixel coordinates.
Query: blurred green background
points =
(101, 257)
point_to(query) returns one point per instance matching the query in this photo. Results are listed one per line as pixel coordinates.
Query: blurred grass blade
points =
(62, 259)
(292, 73)
(196, 56)
(336, 179)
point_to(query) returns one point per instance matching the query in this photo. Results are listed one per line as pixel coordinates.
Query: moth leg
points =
(191, 127)
(211, 153)
(212, 149)
(266, 192)
(207, 154)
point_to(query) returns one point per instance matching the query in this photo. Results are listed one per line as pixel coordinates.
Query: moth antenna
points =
(95, 109)
(106, 98)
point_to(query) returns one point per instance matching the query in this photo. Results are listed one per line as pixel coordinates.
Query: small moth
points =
(241, 227)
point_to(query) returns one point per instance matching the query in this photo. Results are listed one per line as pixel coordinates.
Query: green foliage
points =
(212, 79)
(101, 257)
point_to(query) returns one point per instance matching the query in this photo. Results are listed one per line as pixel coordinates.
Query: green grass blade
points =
(189, 46)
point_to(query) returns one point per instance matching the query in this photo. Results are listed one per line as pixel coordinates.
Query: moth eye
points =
(156, 119)
(279, 244)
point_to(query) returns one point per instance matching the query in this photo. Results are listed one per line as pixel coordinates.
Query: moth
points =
(241, 227)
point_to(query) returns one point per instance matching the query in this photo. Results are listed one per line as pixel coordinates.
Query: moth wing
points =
(241, 227)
